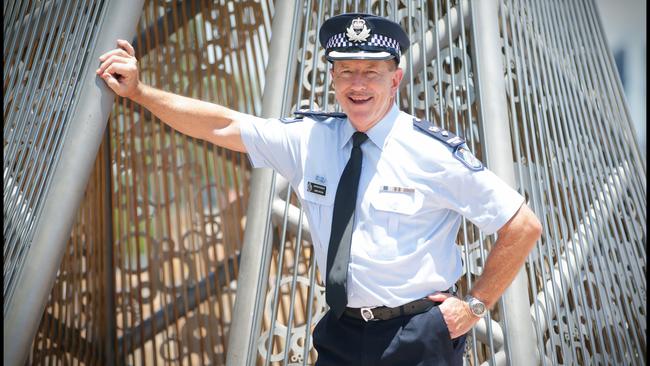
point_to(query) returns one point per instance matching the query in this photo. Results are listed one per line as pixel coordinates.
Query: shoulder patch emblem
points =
(466, 157)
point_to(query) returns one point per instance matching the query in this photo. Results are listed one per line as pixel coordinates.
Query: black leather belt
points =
(386, 313)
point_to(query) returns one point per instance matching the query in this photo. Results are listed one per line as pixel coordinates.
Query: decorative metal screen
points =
(575, 159)
(177, 205)
(578, 161)
(151, 270)
(43, 55)
(76, 322)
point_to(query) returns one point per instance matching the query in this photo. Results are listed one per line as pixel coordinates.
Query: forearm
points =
(206, 121)
(196, 118)
(507, 256)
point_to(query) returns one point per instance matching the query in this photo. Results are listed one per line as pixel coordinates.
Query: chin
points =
(364, 112)
(359, 121)
(362, 115)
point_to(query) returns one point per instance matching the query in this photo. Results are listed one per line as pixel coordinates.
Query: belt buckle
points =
(367, 315)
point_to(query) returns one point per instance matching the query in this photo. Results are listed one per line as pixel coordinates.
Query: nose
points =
(358, 81)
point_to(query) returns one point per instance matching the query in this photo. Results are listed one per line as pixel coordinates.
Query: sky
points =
(624, 22)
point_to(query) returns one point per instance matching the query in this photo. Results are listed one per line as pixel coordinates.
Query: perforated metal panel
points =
(578, 161)
(178, 206)
(575, 159)
(43, 55)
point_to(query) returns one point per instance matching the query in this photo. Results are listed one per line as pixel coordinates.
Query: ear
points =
(396, 80)
(332, 78)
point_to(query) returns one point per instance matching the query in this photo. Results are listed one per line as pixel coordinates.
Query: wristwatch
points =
(476, 306)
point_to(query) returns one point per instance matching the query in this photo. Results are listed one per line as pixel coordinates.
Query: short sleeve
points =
(481, 197)
(273, 144)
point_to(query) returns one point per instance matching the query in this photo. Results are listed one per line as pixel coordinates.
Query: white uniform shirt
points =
(412, 193)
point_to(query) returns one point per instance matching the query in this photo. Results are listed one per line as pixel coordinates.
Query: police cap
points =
(358, 36)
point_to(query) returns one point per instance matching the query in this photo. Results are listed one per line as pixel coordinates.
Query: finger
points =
(115, 59)
(126, 46)
(121, 69)
(116, 51)
(111, 81)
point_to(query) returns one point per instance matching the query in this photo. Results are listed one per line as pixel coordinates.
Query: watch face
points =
(478, 308)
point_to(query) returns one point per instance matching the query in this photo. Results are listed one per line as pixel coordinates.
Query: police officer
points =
(383, 192)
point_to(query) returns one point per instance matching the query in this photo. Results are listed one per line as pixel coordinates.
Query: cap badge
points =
(357, 31)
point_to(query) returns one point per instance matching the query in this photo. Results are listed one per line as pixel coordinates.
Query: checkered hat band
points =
(376, 40)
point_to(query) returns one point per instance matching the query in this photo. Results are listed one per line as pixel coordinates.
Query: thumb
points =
(439, 296)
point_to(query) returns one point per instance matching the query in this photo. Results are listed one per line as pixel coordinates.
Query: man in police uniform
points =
(383, 193)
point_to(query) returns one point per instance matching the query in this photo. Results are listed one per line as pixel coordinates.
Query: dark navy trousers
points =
(411, 340)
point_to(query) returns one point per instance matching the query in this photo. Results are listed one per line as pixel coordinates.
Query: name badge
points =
(316, 188)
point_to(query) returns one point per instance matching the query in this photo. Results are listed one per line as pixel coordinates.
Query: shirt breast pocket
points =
(395, 204)
(317, 198)
(314, 191)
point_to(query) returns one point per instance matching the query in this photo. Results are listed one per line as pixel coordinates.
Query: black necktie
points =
(338, 252)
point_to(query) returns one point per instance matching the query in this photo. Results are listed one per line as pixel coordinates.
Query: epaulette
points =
(290, 119)
(456, 143)
(315, 115)
(445, 136)
(319, 115)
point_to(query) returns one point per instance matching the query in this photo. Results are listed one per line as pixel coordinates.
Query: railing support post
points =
(109, 267)
(493, 115)
(255, 253)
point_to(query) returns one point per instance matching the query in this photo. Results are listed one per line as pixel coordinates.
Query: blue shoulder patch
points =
(319, 115)
(465, 156)
(460, 150)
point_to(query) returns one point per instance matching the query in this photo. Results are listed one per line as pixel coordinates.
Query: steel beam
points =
(255, 253)
(77, 158)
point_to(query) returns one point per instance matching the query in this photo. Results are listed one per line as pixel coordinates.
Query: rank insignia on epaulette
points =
(456, 143)
(438, 133)
(465, 156)
(320, 115)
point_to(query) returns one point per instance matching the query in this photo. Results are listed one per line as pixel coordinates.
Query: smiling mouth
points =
(359, 100)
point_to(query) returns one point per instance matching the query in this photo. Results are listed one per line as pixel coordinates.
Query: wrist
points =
(138, 94)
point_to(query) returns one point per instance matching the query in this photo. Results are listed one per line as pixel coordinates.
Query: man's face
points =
(365, 89)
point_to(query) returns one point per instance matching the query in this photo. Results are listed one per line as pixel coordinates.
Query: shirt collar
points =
(377, 134)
